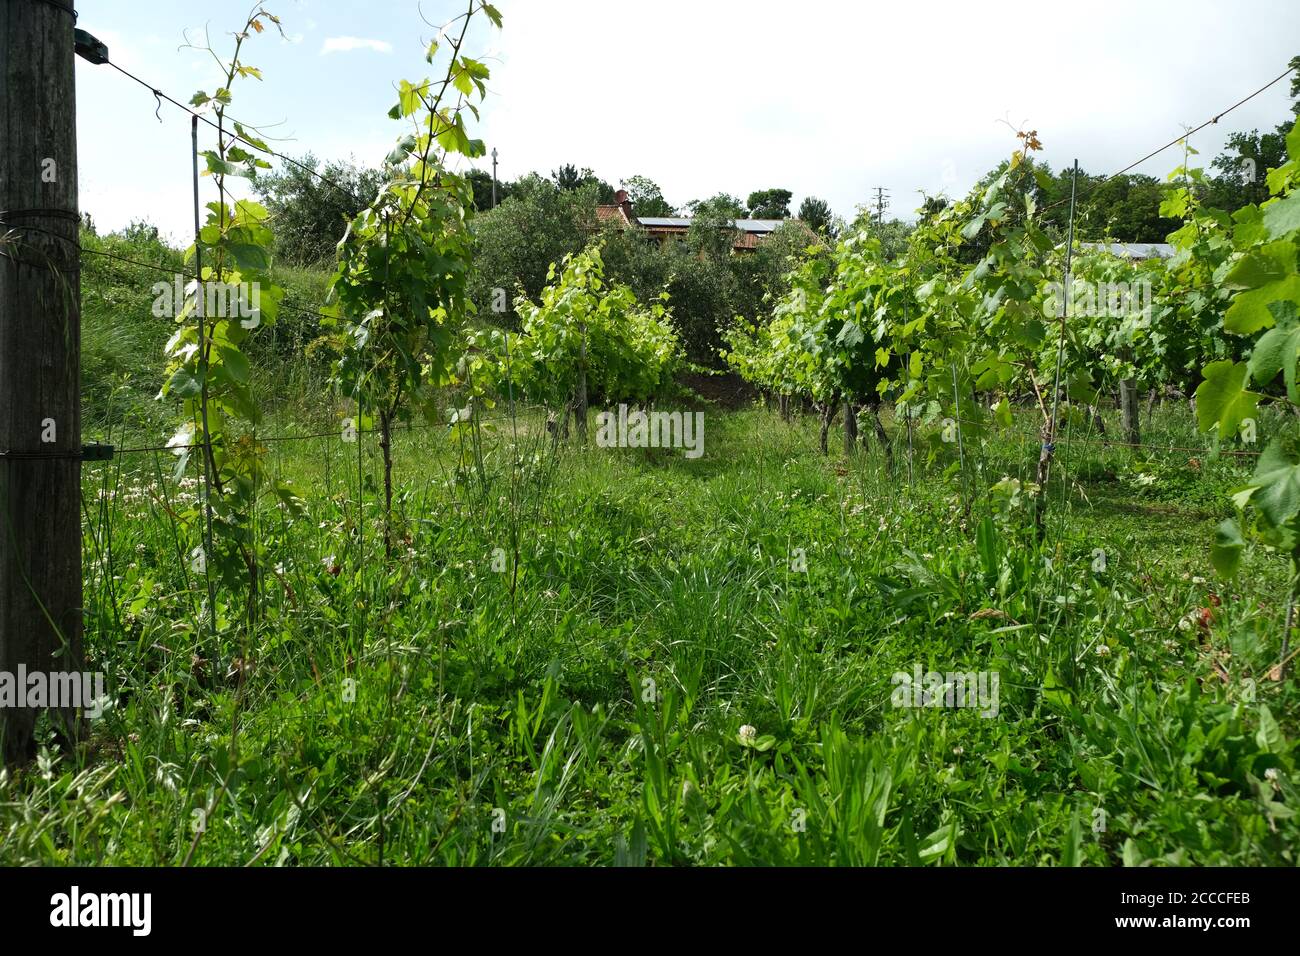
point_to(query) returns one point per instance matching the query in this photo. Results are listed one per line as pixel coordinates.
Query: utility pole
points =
(882, 201)
(494, 177)
(40, 370)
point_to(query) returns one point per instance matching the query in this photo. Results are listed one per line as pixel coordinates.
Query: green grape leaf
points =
(1269, 736)
(1282, 216)
(1277, 484)
(1225, 553)
(1261, 267)
(235, 363)
(1222, 398)
(401, 151)
(1002, 414)
(183, 384)
(850, 335)
(1277, 351)
(249, 256)
(218, 166)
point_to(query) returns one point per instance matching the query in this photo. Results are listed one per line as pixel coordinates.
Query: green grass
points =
(122, 341)
(593, 716)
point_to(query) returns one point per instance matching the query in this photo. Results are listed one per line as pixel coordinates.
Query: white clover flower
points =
(748, 733)
(1198, 580)
(1103, 650)
(1271, 773)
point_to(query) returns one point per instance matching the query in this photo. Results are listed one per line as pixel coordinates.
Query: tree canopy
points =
(770, 204)
(312, 209)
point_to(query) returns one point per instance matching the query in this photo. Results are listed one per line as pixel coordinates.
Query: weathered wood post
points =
(40, 360)
(1128, 411)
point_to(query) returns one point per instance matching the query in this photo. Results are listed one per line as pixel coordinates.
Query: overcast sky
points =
(824, 98)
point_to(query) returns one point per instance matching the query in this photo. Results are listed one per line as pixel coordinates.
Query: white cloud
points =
(347, 44)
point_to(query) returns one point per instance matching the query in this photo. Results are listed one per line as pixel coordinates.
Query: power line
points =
(260, 147)
(1209, 122)
(1174, 142)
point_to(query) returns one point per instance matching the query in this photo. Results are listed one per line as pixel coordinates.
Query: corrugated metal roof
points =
(744, 225)
(1133, 250)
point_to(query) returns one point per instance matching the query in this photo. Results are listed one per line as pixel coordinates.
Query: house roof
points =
(749, 231)
(663, 222)
(760, 226)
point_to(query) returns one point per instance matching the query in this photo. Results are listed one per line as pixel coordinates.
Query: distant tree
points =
(481, 180)
(313, 211)
(567, 177)
(1126, 209)
(722, 205)
(892, 233)
(816, 215)
(931, 206)
(138, 232)
(647, 198)
(709, 285)
(637, 261)
(713, 230)
(570, 177)
(703, 291)
(1295, 86)
(770, 204)
(516, 242)
(1240, 177)
(764, 273)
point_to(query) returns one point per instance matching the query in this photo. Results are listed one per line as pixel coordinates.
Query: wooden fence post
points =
(40, 361)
